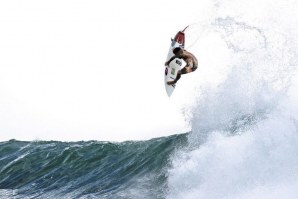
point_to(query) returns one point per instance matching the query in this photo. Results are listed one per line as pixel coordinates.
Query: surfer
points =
(189, 58)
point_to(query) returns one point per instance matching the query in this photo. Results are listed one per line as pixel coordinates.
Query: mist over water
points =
(244, 139)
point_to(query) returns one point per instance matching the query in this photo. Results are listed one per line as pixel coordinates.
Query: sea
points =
(93, 169)
(243, 142)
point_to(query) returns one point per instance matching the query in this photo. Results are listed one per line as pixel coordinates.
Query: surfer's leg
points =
(186, 70)
(190, 67)
(183, 71)
(178, 76)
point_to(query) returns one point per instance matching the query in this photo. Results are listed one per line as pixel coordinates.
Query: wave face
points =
(86, 169)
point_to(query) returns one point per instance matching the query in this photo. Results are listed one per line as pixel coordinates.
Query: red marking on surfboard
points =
(180, 37)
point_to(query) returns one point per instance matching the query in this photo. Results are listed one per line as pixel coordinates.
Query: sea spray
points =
(244, 139)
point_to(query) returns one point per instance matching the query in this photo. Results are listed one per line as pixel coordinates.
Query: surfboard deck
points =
(172, 69)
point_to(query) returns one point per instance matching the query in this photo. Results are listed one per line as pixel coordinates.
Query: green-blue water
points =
(86, 169)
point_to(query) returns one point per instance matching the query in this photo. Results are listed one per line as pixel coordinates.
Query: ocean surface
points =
(91, 169)
(243, 142)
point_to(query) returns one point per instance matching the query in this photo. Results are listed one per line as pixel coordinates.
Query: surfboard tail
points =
(180, 37)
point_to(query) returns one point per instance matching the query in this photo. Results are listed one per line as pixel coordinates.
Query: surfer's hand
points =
(166, 63)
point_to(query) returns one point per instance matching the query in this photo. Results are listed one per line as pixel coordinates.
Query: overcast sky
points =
(81, 70)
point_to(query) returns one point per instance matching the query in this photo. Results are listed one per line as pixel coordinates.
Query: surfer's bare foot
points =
(171, 82)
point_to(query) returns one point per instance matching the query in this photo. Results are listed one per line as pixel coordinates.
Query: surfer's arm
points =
(172, 58)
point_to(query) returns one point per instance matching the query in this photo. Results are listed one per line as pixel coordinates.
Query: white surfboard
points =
(175, 65)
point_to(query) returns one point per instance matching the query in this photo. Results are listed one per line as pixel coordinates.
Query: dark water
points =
(49, 169)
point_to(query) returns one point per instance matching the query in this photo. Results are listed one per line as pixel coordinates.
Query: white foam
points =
(255, 164)
(244, 140)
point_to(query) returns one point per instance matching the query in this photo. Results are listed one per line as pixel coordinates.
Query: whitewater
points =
(244, 135)
(243, 142)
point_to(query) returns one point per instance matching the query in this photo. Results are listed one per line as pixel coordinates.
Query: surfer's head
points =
(176, 50)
